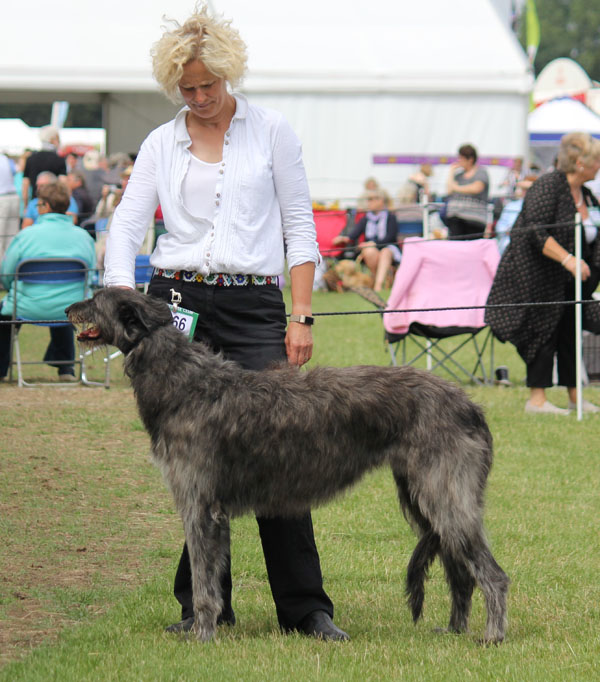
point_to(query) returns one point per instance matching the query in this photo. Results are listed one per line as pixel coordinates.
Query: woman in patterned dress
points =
(539, 265)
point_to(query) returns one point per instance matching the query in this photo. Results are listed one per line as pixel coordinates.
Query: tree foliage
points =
(568, 28)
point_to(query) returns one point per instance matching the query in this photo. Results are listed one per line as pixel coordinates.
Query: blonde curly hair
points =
(577, 147)
(211, 40)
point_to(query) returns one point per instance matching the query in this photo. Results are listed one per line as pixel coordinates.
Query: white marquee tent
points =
(355, 81)
(553, 119)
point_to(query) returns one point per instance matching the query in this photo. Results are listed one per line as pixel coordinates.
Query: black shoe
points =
(226, 618)
(187, 624)
(319, 624)
(184, 625)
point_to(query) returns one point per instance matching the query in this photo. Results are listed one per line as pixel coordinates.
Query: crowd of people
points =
(94, 183)
(54, 205)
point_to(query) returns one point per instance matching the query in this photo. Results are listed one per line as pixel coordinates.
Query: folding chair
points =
(329, 224)
(443, 274)
(48, 272)
(143, 271)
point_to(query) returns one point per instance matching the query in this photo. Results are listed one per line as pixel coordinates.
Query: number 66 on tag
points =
(184, 320)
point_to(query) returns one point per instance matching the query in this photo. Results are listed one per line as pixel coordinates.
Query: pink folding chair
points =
(443, 274)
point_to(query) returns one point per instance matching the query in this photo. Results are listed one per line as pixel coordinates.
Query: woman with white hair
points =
(232, 188)
(539, 266)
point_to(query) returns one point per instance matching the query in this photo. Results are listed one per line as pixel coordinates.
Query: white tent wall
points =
(387, 78)
(341, 133)
(130, 116)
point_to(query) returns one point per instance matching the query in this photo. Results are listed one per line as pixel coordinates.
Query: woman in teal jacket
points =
(53, 236)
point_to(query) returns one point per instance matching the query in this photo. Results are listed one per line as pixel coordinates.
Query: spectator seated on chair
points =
(31, 211)
(380, 229)
(409, 212)
(510, 212)
(53, 236)
(85, 207)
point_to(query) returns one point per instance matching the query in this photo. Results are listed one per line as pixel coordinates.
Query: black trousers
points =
(248, 325)
(61, 347)
(561, 344)
(459, 228)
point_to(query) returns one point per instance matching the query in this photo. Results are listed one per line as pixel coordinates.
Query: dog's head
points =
(118, 317)
(345, 267)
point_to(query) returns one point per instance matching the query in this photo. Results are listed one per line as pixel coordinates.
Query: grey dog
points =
(230, 441)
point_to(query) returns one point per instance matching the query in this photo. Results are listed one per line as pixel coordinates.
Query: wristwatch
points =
(303, 319)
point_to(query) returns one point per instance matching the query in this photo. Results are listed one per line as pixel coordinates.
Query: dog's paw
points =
(203, 632)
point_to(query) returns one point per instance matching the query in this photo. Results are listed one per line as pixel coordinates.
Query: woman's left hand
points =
(571, 266)
(298, 343)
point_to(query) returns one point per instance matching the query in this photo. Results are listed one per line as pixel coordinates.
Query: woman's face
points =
(590, 170)
(375, 202)
(465, 163)
(204, 93)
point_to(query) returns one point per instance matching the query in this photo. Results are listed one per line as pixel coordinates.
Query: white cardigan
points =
(262, 201)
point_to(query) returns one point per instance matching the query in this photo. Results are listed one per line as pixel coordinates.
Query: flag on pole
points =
(60, 111)
(533, 31)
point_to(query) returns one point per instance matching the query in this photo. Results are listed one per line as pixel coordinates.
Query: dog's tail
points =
(418, 567)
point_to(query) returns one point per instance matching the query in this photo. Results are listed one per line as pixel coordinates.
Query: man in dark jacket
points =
(46, 159)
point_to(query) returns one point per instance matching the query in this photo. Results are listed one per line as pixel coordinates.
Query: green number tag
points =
(184, 320)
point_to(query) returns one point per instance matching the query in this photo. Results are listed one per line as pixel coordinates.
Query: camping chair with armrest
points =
(329, 224)
(443, 274)
(48, 272)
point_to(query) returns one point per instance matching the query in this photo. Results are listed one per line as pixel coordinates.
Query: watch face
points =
(302, 319)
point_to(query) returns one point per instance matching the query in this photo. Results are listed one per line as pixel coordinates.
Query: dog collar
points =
(302, 319)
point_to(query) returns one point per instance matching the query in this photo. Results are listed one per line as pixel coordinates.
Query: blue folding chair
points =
(143, 271)
(48, 272)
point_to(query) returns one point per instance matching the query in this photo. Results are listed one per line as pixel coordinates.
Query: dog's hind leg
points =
(418, 567)
(424, 553)
(207, 535)
(461, 584)
(494, 583)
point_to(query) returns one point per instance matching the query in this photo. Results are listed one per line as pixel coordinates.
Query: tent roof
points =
(429, 46)
(560, 77)
(560, 116)
(16, 135)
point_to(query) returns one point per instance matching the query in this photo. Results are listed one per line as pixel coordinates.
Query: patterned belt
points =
(218, 279)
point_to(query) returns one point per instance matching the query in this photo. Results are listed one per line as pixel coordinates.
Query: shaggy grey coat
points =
(231, 441)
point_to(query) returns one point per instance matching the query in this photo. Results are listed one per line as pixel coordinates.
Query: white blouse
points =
(261, 202)
(199, 187)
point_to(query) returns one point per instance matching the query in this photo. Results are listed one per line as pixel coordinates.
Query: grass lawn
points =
(90, 542)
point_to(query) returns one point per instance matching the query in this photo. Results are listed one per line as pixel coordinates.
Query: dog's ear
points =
(141, 317)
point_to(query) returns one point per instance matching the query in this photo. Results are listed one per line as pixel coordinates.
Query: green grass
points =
(90, 543)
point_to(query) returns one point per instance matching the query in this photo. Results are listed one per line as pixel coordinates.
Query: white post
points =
(578, 318)
(425, 207)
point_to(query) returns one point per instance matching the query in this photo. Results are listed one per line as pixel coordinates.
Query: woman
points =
(538, 265)
(467, 190)
(231, 184)
(380, 229)
(53, 236)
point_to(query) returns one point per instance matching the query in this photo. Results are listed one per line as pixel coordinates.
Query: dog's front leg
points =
(207, 535)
